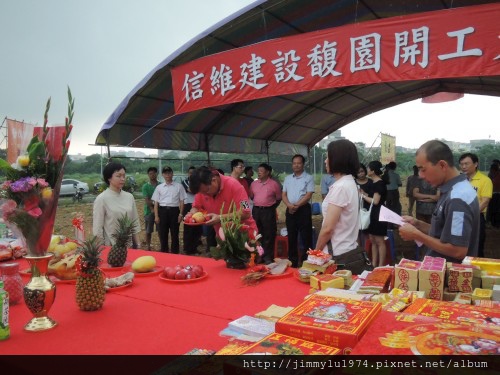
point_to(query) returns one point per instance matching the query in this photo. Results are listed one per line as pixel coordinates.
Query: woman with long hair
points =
(377, 229)
(341, 208)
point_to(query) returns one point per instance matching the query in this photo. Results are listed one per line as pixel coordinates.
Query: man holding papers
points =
(454, 229)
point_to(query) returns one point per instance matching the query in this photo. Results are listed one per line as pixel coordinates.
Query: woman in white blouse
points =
(341, 208)
(112, 204)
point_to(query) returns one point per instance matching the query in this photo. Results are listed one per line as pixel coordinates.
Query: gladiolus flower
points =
(221, 234)
(31, 202)
(35, 212)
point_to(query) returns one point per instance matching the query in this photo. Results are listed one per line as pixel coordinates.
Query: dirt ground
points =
(67, 210)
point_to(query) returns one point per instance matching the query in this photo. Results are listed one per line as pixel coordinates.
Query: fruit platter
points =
(198, 218)
(146, 266)
(183, 274)
(112, 284)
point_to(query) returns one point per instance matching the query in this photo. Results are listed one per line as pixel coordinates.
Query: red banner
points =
(19, 135)
(457, 42)
(54, 139)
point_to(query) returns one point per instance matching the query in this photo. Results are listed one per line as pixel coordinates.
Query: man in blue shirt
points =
(298, 189)
(327, 180)
(454, 229)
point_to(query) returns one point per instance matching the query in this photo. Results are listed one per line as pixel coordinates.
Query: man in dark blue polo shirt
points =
(454, 229)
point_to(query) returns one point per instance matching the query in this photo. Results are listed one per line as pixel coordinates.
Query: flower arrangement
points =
(237, 242)
(77, 223)
(31, 190)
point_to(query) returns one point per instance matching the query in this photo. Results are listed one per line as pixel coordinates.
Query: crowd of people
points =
(451, 205)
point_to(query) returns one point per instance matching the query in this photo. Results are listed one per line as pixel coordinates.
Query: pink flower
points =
(42, 183)
(260, 250)
(8, 208)
(221, 234)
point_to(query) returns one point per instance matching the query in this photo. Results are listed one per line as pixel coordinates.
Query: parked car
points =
(130, 185)
(68, 187)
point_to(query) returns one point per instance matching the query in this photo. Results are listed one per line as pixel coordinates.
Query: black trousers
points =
(169, 222)
(299, 222)
(191, 235)
(265, 218)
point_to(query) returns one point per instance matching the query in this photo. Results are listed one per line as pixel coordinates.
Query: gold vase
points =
(39, 294)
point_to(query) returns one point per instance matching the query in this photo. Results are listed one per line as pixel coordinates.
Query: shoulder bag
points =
(364, 215)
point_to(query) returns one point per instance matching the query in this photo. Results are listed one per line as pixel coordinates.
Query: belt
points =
(263, 207)
(169, 207)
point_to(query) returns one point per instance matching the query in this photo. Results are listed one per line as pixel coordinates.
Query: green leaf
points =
(33, 141)
(4, 165)
(37, 151)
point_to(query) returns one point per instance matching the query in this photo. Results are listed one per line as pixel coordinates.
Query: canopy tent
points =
(284, 124)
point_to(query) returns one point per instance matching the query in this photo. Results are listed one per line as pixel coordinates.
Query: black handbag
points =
(355, 260)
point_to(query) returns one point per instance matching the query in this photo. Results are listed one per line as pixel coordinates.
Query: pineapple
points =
(90, 291)
(123, 239)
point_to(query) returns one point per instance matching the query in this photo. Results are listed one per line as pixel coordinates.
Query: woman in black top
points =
(377, 229)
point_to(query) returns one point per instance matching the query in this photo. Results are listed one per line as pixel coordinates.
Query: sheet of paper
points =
(392, 217)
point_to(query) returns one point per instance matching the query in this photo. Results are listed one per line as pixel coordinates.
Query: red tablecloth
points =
(152, 316)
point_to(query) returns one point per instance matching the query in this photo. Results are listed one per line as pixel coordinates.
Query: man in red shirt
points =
(237, 169)
(213, 191)
(266, 195)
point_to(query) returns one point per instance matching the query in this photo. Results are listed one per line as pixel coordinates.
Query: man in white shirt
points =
(169, 203)
(298, 189)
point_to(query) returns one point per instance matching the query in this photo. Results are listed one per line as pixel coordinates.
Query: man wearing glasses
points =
(237, 169)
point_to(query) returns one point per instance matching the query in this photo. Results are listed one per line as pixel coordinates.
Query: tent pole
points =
(267, 150)
(107, 145)
(208, 150)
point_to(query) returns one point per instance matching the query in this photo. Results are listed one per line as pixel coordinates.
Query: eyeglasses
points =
(240, 166)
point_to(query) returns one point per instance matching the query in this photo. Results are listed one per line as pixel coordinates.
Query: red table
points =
(152, 316)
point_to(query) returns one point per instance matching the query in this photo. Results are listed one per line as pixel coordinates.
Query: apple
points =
(169, 272)
(180, 275)
(198, 270)
(190, 275)
(179, 267)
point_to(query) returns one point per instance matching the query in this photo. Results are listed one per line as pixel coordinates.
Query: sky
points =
(102, 49)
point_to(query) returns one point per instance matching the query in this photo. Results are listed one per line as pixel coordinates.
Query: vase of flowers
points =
(236, 241)
(29, 198)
